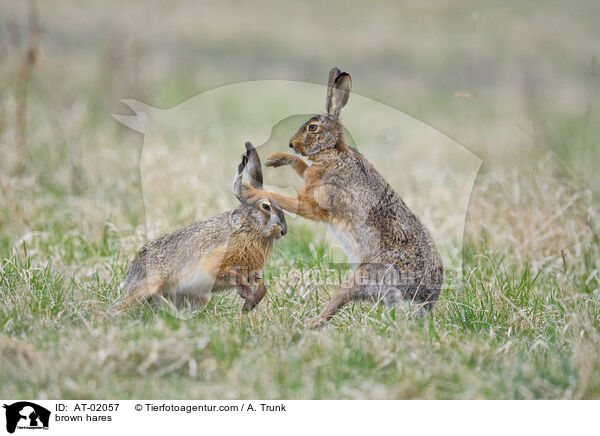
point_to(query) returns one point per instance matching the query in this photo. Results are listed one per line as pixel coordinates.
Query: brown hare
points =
(224, 251)
(395, 257)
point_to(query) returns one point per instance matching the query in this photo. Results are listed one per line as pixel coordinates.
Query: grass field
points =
(517, 84)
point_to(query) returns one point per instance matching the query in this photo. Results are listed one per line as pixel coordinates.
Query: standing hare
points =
(224, 251)
(396, 259)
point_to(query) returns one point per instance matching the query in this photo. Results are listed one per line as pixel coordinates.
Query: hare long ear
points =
(333, 73)
(338, 92)
(254, 169)
(237, 179)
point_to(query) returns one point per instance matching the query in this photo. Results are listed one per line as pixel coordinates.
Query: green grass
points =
(508, 332)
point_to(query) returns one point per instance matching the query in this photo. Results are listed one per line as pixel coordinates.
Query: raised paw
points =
(316, 323)
(279, 159)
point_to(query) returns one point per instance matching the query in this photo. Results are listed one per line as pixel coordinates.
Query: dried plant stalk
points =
(23, 75)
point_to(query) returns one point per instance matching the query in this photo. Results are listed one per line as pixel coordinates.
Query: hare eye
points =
(313, 127)
(266, 207)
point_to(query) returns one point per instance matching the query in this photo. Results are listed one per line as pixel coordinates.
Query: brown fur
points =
(385, 239)
(228, 250)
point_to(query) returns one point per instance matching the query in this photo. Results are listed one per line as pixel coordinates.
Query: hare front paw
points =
(244, 291)
(249, 304)
(279, 159)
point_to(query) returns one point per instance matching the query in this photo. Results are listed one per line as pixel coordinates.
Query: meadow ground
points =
(516, 84)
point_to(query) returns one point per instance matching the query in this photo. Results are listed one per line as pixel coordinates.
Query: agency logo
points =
(26, 415)
(187, 147)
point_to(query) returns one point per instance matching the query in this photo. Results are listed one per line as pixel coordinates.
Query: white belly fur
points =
(347, 241)
(195, 281)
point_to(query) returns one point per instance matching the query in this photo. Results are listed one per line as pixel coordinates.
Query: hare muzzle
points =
(278, 231)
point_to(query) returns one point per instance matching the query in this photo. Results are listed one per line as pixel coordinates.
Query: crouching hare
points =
(396, 259)
(225, 251)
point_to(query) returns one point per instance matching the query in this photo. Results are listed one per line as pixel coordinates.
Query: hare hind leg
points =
(143, 291)
(349, 290)
(367, 282)
(339, 300)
